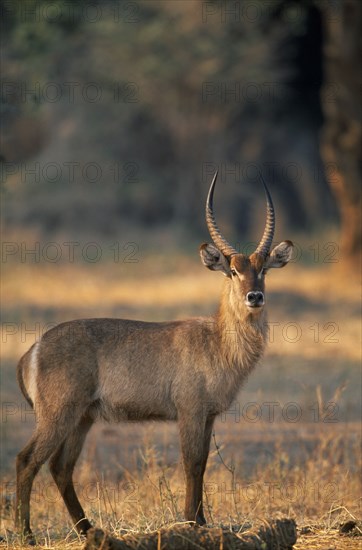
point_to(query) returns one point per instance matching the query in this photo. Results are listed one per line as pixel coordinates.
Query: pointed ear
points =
(213, 259)
(280, 255)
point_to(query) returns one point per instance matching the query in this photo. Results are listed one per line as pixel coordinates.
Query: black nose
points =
(255, 299)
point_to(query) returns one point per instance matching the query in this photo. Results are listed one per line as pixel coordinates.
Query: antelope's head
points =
(246, 273)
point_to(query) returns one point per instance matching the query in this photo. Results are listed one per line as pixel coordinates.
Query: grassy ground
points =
(289, 445)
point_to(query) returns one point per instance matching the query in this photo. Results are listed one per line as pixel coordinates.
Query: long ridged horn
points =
(267, 238)
(214, 231)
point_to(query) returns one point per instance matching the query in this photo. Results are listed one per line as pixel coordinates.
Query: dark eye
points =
(233, 272)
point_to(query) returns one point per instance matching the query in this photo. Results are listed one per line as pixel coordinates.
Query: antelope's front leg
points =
(195, 434)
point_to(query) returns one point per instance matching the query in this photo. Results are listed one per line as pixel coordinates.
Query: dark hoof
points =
(201, 521)
(83, 527)
(30, 540)
(196, 519)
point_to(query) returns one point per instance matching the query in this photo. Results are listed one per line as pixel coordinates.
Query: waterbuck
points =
(123, 370)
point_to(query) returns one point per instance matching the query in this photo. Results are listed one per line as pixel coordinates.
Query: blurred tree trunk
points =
(341, 136)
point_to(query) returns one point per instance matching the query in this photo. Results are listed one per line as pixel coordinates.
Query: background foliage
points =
(156, 95)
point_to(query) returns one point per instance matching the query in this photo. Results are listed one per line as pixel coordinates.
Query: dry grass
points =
(320, 494)
(130, 478)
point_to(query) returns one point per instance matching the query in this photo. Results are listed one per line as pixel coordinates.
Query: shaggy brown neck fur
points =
(243, 333)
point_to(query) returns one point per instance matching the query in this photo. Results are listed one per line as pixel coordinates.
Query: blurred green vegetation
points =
(115, 114)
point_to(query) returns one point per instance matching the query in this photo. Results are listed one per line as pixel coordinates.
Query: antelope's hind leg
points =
(62, 464)
(28, 463)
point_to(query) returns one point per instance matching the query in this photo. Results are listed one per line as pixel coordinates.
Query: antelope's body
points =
(121, 370)
(127, 378)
